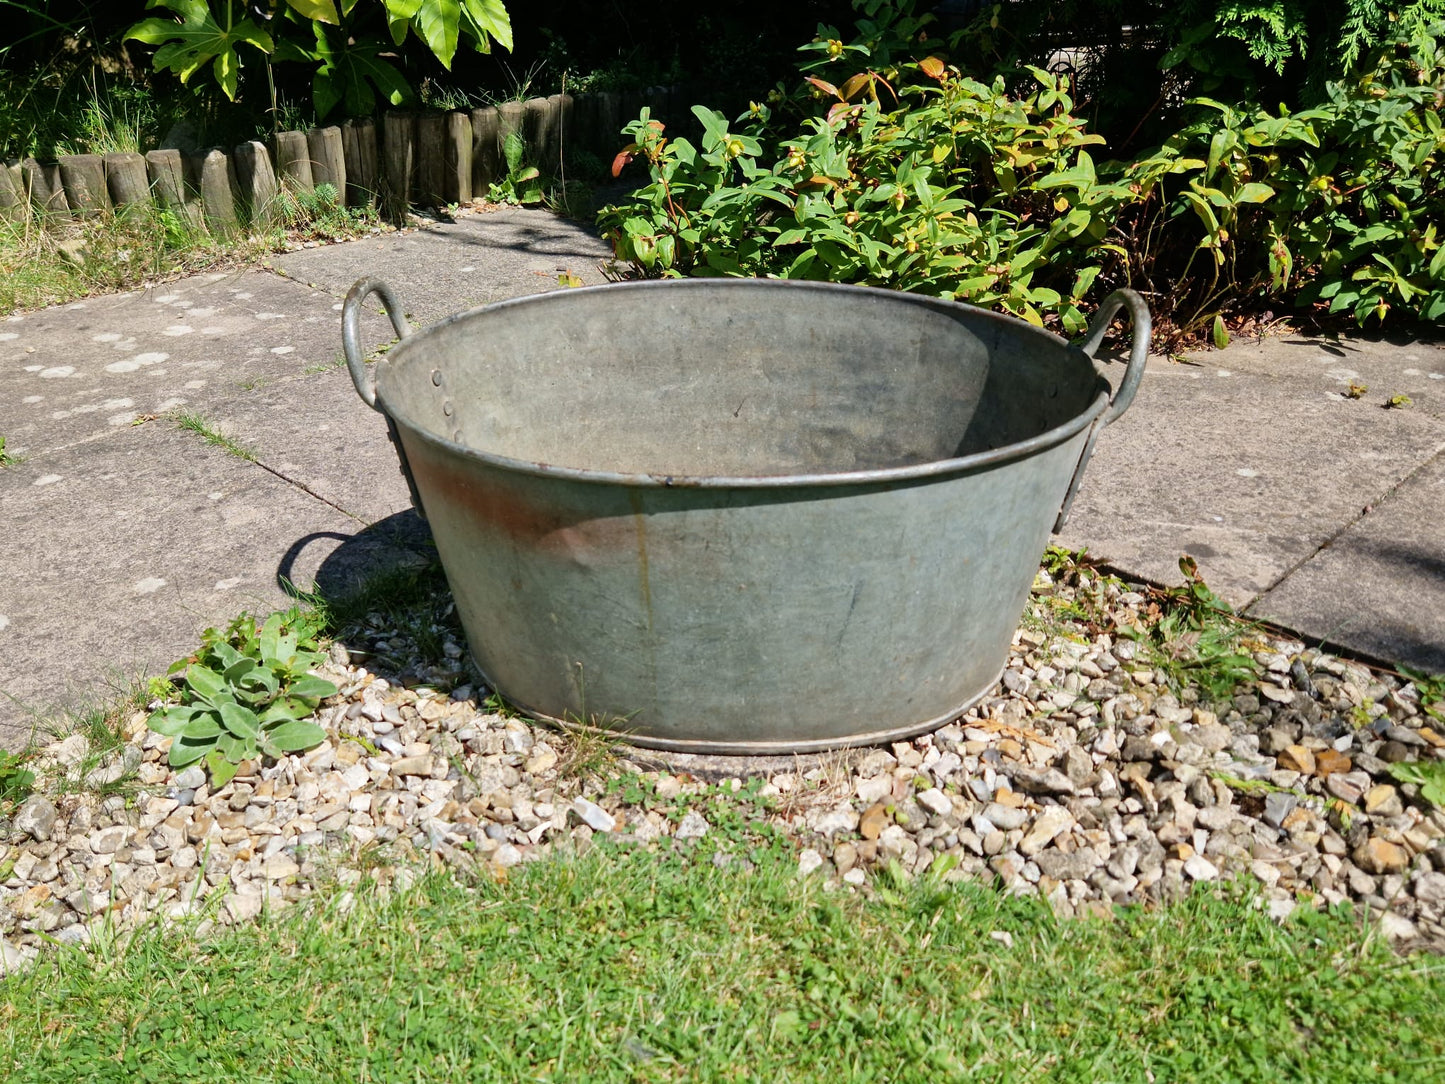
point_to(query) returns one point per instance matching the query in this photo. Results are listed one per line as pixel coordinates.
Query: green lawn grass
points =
(632, 966)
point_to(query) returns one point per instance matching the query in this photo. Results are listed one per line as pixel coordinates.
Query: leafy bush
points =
(245, 693)
(1136, 62)
(913, 175)
(1344, 201)
(932, 198)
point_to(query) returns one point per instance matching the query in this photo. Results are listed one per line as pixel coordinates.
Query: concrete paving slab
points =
(123, 549)
(315, 431)
(1240, 470)
(80, 371)
(1389, 566)
(450, 267)
(1324, 366)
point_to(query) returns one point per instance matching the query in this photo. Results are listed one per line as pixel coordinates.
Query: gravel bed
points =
(1082, 777)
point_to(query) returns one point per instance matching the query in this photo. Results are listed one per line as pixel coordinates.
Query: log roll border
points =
(407, 159)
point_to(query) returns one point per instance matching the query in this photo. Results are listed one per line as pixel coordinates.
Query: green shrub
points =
(1357, 198)
(1137, 62)
(937, 197)
(910, 174)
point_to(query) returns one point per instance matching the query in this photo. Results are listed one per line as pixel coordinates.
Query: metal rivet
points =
(447, 408)
(436, 377)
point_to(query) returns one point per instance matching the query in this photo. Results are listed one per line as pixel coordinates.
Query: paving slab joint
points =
(1421, 468)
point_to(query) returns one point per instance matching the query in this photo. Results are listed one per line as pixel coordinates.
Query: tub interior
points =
(733, 378)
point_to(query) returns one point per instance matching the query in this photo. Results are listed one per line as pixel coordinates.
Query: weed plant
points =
(50, 112)
(16, 779)
(523, 181)
(1188, 634)
(107, 767)
(246, 692)
(48, 262)
(1195, 638)
(51, 260)
(103, 726)
(321, 213)
(194, 422)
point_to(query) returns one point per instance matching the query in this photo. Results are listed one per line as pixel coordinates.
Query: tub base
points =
(757, 748)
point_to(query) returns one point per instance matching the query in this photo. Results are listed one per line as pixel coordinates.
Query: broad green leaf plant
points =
(195, 37)
(343, 40)
(523, 182)
(248, 692)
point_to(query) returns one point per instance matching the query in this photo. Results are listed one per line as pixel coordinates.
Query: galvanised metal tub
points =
(741, 516)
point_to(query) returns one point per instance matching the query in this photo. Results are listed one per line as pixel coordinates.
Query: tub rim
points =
(413, 340)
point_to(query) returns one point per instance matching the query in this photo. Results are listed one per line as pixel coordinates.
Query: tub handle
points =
(1124, 394)
(351, 334)
(366, 381)
(1138, 348)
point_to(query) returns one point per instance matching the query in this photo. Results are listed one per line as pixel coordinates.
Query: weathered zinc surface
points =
(737, 516)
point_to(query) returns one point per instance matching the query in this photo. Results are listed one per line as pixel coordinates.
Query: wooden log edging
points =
(257, 182)
(510, 119)
(14, 203)
(168, 187)
(430, 177)
(398, 153)
(293, 161)
(328, 159)
(403, 160)
(359, 149)
(539, 129)
(126, 179)
(487, 164)
(83, 178)
(216, 183)
(457, 182)
(43, 189)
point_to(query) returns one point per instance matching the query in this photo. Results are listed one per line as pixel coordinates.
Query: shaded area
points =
(401, 541)
(1408, 629)
(1379, 587)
